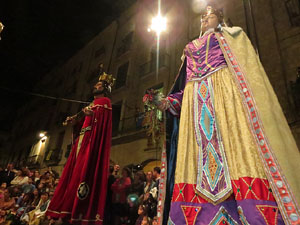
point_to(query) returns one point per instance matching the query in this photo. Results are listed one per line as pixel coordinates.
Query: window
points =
(122, 75)
(93, 76)
(59, 140)
(99, 52)
(293, 8)
(125, 45)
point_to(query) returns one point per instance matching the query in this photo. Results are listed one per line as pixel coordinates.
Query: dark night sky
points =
(41, 34)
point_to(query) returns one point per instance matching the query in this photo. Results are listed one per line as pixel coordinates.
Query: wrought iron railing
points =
(129, 125)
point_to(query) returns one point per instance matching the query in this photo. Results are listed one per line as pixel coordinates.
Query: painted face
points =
(98, 88)
(209, 21)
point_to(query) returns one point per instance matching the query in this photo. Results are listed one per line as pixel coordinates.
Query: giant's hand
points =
(87, 111)
(69, 120)
(164, 104)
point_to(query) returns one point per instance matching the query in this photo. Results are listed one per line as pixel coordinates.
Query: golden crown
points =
(108, 78)
(212, 10)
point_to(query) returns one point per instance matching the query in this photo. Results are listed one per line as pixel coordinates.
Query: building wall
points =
(268, 27)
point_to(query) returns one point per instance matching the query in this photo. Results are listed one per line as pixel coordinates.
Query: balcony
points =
(33, 161)
(53, 157)
(129, 129)
(150, 67)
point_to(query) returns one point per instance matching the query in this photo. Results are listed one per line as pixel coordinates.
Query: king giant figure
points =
(80, 195)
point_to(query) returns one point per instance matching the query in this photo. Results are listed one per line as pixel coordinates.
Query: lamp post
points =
(159, 24)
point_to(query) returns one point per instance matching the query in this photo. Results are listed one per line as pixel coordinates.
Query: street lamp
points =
(159, 24)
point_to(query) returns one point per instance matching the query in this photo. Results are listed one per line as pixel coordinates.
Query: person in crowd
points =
(37, 215)
(156, 176)
(2, 189)
(49, 177)
(155, 220)
(37, 176)
(116, 171)
(137, 186)
(20, 179)
(146, 221)
(136, 190)
(28, 188)
(142, 212)
(15, 191)
(8, 175)
(41, 187)
(6, 203)
(108, 205)
(36, 198)
(24, 203)
(150, 183)
(120, 188)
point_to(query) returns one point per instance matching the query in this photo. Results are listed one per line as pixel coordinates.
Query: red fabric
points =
(119, 188)
(90, 167)
(190, 213)
(269, 213)
(252, 188)
(244, 188)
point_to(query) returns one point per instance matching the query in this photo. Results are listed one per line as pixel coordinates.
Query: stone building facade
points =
(128, 51)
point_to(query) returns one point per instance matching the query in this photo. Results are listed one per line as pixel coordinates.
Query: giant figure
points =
(231, 157)
(80, 195)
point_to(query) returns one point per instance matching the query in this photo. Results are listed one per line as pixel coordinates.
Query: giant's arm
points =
(175, 96)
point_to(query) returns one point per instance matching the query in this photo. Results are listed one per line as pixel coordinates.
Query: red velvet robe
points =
(81, 192)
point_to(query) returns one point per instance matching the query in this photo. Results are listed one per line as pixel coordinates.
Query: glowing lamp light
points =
(159, 24)
(42, 135)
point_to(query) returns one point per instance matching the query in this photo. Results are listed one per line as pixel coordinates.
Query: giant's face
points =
(98, 88)
(209, 21)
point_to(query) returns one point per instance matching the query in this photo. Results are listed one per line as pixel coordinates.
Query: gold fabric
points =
(239, 146)
(275, 125)
(79, 143)
(186, 164)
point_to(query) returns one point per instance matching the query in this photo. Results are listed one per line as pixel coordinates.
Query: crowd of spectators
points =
(25, 196)
(132, 197)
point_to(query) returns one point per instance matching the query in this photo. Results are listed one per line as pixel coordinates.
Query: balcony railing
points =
(129, 125)
(53, 156)
(33, 160)
(150, 67)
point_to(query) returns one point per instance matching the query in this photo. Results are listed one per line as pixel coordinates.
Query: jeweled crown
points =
(212, 10)
(106, 77)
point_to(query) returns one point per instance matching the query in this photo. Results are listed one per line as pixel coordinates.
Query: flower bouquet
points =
(153, 116)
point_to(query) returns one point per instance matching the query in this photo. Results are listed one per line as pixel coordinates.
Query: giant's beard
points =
(98, 92)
